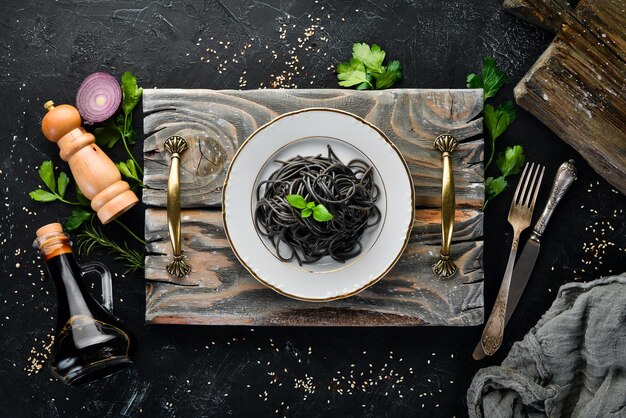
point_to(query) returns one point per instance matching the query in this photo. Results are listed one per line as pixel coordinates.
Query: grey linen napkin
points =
(572, 363)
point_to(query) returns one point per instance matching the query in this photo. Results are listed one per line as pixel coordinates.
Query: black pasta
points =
(347, 191)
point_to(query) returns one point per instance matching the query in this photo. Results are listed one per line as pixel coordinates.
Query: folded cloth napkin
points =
(571, 364)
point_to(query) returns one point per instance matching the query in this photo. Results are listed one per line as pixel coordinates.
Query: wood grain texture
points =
(220, 291)
(547, 14)
(577, 87)
(215, 123)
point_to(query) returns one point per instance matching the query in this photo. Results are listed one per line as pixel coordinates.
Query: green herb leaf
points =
(475, 81)
(306, 212)
(130, 135)
(129, 170)
(296, 201)
(46, 172)
(132, 168)
(494, 187)
(367, 85)
(92, 237)
(81, 198)
(124, 169)
(76, 219)
(511, 160)
(321, 214)
(491, 79)
(390, 76)
(41, 195)
(310, 205)
(499, 118)
(62, 182)
(107, 136)
(119, 122)
(372, 57)
(366, 70)
(131, 92)
(352, 73)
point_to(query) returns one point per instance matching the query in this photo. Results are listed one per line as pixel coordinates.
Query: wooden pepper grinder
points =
(95, 174)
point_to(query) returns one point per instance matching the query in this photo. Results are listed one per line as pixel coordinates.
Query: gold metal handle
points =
(175, 145)
(445, 267)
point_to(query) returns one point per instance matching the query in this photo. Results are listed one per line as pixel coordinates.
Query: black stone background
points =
(48, 47)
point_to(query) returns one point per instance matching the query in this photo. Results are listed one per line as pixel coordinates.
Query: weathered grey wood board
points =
(215, 123)
(578, 86)
(219, 291)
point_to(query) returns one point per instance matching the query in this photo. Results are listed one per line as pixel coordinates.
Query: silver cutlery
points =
(565, 176)
(520, 215)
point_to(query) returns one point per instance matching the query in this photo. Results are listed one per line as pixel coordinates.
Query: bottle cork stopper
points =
(49, 105)
(48, 229)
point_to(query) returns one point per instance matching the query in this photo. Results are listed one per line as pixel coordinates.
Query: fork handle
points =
(494, 330)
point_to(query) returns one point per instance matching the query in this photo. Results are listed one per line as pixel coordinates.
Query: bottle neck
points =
(56, 250)
(53, 244)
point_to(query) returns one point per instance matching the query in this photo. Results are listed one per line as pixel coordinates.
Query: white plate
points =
(309, 132)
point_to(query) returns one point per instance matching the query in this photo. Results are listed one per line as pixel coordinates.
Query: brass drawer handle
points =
(445, 268)
(175, 145)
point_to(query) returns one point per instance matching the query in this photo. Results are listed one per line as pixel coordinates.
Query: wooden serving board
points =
(578, 86)
(219, 291)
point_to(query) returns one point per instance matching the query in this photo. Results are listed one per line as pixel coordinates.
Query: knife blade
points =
(565, 176)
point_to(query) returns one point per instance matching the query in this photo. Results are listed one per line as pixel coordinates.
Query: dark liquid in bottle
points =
(88, 345)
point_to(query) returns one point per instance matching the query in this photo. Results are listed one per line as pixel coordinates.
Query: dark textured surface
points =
(46, 50)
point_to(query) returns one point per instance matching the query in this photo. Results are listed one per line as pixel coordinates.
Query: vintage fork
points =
(520, 215)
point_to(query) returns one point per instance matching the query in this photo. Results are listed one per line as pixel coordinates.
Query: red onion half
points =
(98, 98)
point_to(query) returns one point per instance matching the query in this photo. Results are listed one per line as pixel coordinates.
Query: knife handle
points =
(565, 176)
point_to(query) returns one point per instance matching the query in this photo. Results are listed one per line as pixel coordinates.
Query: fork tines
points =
(523, 195)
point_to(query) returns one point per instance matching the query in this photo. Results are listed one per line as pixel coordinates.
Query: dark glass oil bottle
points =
(89, 343)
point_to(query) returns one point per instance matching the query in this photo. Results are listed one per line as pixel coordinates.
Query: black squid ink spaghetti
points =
(347, 191)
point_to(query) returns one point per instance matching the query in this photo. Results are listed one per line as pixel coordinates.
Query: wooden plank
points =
(578, 91)
(220, 291)
(601, 18)
(547, 14)
(216, 122)
(577, 87)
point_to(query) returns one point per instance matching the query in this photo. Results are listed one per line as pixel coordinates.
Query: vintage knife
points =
(523, 268)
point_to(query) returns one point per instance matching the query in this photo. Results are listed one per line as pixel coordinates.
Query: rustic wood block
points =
(577, 87)
(215, 123)
(220, 291)
(547, 14)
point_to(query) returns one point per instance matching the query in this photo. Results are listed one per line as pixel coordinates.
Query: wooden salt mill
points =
(95, 174)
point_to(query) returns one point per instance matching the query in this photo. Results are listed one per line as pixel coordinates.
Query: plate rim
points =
(385, 138)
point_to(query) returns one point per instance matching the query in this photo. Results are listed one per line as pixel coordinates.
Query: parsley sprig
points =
(46, 173)
(121, 126)
(319, 211)
(365, 70)
(491, 79)
(497, 119)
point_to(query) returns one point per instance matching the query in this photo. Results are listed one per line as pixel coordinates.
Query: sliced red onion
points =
(98, 98)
